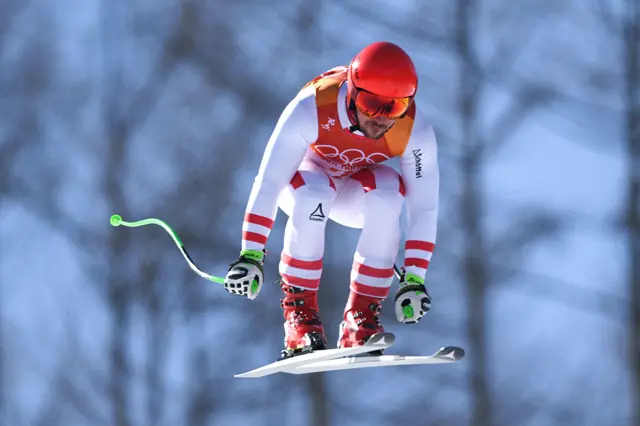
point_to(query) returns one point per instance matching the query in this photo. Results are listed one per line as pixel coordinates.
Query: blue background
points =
(162, 109)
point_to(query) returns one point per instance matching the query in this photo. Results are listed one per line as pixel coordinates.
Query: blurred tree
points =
(126, 107)
(310, 39)
(629, 30)
(119, 282)
(8, 149)
(479, 140)
(24, 78)
(622, 20)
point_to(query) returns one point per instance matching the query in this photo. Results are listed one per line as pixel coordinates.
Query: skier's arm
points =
(421, 176)
(295, 130)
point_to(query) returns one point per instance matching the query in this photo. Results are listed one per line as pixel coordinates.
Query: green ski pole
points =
(116, 220)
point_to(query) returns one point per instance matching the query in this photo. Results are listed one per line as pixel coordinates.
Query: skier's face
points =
(374, 127)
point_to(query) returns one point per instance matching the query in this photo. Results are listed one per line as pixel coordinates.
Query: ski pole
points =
(397, 272)
(116, 220)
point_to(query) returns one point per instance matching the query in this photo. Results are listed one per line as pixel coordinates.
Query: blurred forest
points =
(162, 109)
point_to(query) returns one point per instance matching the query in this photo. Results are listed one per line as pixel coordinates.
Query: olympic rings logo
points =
(350, 157)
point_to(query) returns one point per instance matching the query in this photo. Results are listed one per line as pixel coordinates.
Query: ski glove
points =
(412, 301)
(246, 275)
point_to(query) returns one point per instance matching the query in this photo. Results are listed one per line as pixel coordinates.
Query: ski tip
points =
(453, 353)
(254, 374)
(245, 375)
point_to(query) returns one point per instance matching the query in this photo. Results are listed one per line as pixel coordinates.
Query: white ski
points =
(376, 342)
(447, 354)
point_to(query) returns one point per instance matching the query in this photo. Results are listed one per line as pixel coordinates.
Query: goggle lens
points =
(373, 105)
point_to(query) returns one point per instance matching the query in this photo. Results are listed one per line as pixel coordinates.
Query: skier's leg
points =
(307, 201)
(373, 202)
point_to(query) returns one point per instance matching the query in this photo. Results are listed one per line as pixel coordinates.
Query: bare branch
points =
(517, 29)
(526, 102)
(529, 228)
(64, 388)
(610, 22)
(419, 32)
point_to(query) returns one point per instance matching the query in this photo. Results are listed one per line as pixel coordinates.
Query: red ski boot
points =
(303, 329)
(361, 320)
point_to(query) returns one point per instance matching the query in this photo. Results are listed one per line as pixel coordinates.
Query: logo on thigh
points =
(317, 214)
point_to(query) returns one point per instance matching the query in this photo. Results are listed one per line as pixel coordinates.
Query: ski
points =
(445, 355)
(377, 342)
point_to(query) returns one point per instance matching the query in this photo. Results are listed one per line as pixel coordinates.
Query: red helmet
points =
(386, 71)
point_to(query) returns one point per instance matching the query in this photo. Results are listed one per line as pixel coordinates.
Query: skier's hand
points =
(246, 275)
(412, 301)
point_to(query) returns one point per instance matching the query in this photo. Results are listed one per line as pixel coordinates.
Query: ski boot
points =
(360, 321)
(303, 329)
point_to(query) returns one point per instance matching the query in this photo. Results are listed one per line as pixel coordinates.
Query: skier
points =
(323, 162)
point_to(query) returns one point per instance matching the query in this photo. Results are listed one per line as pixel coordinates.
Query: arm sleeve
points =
(295, 130)
(421, 176)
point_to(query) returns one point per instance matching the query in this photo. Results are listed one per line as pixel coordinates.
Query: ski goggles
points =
(373, 105)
